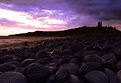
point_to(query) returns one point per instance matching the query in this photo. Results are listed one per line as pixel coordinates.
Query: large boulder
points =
(12, 77)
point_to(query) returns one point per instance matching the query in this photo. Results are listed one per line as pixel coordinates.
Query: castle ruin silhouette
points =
(99, 24)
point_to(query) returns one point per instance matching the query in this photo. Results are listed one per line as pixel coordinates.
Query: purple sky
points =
(20, 16)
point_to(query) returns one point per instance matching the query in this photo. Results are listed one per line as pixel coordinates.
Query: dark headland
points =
(93, 58)
(99, 30)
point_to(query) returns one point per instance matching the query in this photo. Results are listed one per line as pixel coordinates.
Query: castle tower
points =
(99, 23)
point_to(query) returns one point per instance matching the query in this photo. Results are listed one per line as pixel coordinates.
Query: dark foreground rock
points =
(67, 60)
(12, 77)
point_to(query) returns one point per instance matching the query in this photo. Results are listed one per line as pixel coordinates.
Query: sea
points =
(7, 42)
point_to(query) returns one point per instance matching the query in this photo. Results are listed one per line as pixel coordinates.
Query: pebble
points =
(67, 60)
(92, 58)
(71, 67)
(109, 58)
(111, 76)
(37, 73)
(90, 66)
(96, 77)
(12, 77)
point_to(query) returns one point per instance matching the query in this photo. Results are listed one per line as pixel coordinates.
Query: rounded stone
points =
(53, 69)
(109, 58)
(90, 66)
(75, 61)
(26, 62)
(96, 77)
(19, 69)
(111, 76)
(118, 65)
(8, 66)
(41, 54)
(43, 61)
(92, 58)
(71, 67)
(74, 79)
(117, 51)
(62, 75)
(37, 73)
(119, 76)
(66, 52)
(12, 77)
(55, 52)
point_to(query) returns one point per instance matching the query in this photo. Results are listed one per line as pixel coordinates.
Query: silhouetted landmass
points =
(81, 31)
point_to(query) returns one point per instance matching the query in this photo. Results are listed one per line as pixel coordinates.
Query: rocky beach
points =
(65, 60)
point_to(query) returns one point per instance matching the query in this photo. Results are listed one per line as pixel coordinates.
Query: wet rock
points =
(96, 77)
(75, 61)
(66, 52)
(8, 66)
(118, 65)
(90, 66)
(62, 75)
(111, 76)
(78, 54)
(85, 53)
(109, 58)
(12, 67)
(52, 79)
(75, 47)
(71, 67)
(12, 77)
(53, 69)
(42, 54)
(119, 76)
(92, 58)
(26, 62)
(19, 69)
(74, 79)
(56, 60)
(117, 51)
(37, 73)
(52, 64)
(107, 48)
(55, 52)
(88, 48)
(4, 59)
(16, 58)
(43, 61)
(65, 45)
(110, 66)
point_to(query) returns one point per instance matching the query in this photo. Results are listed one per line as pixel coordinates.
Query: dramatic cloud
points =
(32, 15)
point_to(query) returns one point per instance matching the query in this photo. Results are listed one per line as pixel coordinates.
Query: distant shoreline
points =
(17, 42)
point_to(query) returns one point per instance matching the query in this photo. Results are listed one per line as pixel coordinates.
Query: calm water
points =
(5, 41)
(9, 42)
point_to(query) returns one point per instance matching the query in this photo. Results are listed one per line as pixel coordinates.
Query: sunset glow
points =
(27, 16)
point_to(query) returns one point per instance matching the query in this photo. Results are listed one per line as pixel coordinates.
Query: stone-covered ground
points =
(68, 60)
